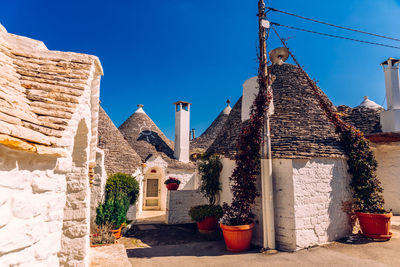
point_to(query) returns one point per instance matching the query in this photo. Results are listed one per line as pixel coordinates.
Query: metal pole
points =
(266, 160)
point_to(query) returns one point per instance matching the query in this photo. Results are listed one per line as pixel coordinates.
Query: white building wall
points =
(179, 203)
(388, 171)
(320, 186)
(308, 197)
(32, 197)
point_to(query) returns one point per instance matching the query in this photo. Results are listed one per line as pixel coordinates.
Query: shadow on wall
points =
(156, 141)
(81, 145)
(25, 160)
(190, 184)
(339, 223)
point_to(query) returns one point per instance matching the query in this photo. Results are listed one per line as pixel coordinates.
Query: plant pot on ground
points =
(367, 192)
(172, 183)
(207, 216)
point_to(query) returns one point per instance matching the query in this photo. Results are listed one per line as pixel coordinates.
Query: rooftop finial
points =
(140, 109)
(365, 97)
(228, 108)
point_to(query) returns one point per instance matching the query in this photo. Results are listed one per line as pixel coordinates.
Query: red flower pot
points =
(237, 238)
(172, 186)
(375, 226)
(208, 225)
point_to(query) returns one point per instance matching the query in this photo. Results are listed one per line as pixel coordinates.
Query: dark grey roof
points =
(299, 126)
(119, 155)
(205, 140)
(365, 119)
(148, 140)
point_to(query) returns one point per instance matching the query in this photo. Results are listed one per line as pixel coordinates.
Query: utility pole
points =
(264, 83)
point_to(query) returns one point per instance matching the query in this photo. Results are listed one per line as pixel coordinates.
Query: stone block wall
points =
(179, 203)
(32, 197)
(388, 157)
(320, 186)
(76, 224)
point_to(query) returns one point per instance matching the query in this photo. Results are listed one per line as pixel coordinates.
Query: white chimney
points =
(390, 118)
(182, 131)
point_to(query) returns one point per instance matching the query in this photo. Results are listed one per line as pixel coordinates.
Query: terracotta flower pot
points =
(237, 238)
(117, 232)
(375, 226)
(208, 225)
(172, 186)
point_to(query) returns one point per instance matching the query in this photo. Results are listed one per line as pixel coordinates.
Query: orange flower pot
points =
(208, 225)
(237, 238)
(375, 226)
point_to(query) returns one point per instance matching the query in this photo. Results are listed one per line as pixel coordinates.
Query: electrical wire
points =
(333, 25)
(335, 36)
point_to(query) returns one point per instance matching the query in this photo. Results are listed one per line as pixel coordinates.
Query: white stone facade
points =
(308, 196)
(179, 203)
(388, 172)
(32, 198)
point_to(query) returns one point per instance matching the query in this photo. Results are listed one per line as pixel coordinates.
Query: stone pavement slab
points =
(106, 256)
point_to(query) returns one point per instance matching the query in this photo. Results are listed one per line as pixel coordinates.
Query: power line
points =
(334, 36)
(333, 25)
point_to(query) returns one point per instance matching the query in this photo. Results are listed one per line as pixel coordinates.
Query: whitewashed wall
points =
(308, 197)
(179, 203)
(32, 197)
(320, 186)
(388, 157)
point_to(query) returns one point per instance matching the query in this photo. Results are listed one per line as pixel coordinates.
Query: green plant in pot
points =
(122, 190)
(207, 216)
(367, 192)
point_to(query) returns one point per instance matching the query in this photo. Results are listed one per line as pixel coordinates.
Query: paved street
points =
(358, 252)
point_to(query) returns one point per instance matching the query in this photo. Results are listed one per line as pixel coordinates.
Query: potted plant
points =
(122, 190)
(367, 192)
(237, 222)
(207, 216)
(172, 183)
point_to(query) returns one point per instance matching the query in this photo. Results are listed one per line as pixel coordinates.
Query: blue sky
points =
(156, 52)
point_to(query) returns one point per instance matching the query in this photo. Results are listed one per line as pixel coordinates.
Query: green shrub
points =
(112, 211)
(210, 167)
(123, 183)
(122, 190)
(199, 213)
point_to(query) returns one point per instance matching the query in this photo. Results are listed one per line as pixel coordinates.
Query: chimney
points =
(182, 131)
(390, 118)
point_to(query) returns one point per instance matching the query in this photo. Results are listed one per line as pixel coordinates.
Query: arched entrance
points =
(152, 189)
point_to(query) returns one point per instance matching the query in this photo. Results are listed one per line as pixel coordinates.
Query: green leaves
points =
(199, 213)
(210, 167)
(122, 190)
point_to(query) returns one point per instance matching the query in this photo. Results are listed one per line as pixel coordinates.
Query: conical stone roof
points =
(148, 140)
(119, 155)
(145, 137)
(204, 141)
(299, 126)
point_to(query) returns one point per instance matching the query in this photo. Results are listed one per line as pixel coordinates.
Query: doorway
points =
(152, 190)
